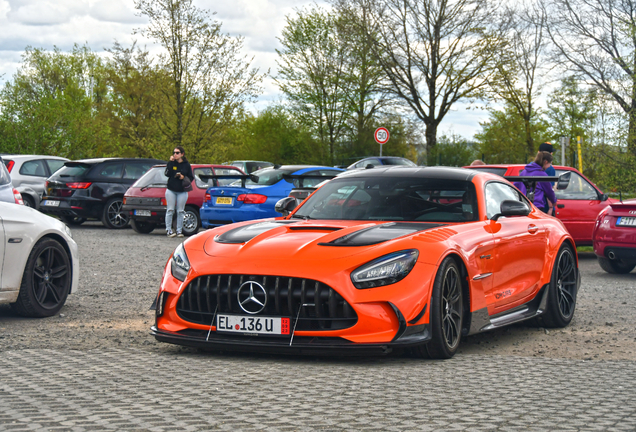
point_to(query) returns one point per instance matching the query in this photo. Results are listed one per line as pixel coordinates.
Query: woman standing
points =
(178, 168)
(544, 196)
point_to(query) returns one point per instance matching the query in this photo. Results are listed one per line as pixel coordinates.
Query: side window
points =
(364, 163)
(313, 182)
(223, 171)
(578, 188)
(112, 171)
(54, 164)
(135, 170)
(496, 193)
(34, 168)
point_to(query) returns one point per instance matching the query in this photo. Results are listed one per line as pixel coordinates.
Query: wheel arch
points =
(463, 269)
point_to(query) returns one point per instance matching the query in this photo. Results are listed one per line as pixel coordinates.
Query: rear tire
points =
(191, 221)
(616, 266)
(113, 216)
(46, 280)
(562, 291)
(446, 317)
(28, 201)
(142, 227)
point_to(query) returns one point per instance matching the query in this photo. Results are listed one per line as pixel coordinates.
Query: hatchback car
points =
(40, 266)
(258, 197)
(381, 160)
(93, 188)
(29, 174)
(7, 192)
(146, 202)
(615, 237)
(577, 205)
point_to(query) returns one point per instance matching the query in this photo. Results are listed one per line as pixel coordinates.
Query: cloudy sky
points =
(99, 23)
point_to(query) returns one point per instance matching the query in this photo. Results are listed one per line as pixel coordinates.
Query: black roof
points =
(444, 173)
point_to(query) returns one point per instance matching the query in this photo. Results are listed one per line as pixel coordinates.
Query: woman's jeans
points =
(175, 200)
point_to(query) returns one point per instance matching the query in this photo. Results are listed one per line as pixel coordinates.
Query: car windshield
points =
(392, 199)
(155, 177)
(266, 177)
(398, 161)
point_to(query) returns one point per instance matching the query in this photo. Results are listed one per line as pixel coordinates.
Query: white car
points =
(39, 266)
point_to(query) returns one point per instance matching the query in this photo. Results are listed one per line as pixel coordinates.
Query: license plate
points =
(142, 212)
(51, 203)
(252, 324)
(626, 221)
(223, 200)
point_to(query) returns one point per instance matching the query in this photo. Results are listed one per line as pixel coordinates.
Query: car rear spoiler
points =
(242, 177)
(301, 178)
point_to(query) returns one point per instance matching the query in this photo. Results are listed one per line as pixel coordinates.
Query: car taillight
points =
(10, 165)
(208, 197)
(164, 202)
(124, 202)
(17, 196)
(79, 185)
(252, 198)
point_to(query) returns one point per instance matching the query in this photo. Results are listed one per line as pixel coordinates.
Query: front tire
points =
(616, 266)
(113, 216)
(46, 280)
(562, 291)
(446, 317)
(142, 227)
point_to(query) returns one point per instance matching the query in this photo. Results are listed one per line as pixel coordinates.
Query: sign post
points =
(381, 136)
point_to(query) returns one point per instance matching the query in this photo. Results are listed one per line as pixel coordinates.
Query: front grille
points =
(324, 308)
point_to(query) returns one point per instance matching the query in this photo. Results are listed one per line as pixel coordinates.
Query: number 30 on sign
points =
(381, 135)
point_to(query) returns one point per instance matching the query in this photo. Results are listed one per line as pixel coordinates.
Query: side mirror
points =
(286, 205)
(564, 181)
(369, 166)
(604, 197)
(512, 208)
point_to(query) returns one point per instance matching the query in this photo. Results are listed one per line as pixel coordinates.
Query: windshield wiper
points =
(151, 185)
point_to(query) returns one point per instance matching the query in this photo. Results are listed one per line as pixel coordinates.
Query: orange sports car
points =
(374, 260)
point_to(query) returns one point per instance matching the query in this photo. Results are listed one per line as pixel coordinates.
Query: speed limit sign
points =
(381, 135)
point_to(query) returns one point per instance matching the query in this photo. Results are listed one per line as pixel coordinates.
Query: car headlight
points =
(385, 270)
(179, 264)
(67, 230)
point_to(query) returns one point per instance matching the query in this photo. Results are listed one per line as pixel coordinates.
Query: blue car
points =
(259, 194)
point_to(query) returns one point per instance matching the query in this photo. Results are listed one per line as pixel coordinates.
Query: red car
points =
(615, 237)
(145, 200)
(577, 206)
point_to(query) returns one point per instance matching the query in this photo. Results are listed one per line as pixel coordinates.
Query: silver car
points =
(7, 192)
(29, 174)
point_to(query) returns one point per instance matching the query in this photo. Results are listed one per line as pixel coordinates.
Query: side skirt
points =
(481, 321)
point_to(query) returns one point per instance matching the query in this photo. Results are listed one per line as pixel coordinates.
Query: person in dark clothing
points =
(176, 197)
(548, 147)
(544, 196)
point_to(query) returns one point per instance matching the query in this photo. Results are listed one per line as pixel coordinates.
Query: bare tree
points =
(434, 52)
(209, 79)
(596, 40)
(522, 64)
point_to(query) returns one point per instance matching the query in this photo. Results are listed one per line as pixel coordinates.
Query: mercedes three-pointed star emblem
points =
(252, 297)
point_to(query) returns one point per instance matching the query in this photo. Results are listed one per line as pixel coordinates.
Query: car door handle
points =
(532, 229)
(560, 205)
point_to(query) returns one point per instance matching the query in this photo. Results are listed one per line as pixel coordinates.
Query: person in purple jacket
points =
(544, 197)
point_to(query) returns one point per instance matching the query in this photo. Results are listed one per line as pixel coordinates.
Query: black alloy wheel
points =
(114, 217)
(191, 221)
(446, 318)
(562, 290)
(616, 266)
(46, 281)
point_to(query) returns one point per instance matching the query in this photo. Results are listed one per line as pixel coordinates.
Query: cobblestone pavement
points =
(95, 367)
(136, 390)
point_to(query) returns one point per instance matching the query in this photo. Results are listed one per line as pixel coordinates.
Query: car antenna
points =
(620, 196)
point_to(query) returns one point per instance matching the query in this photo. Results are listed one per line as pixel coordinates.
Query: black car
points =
(93, 189)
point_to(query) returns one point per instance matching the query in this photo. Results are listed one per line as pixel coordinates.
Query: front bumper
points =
(300, 345)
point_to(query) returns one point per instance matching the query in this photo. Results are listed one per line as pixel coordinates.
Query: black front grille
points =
(317, 305)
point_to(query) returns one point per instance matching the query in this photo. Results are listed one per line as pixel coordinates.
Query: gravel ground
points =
(121, 271)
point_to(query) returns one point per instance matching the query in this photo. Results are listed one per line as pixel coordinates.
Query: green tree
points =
(502, 139)
(208, 80)
(54, 105)
(452, 150)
